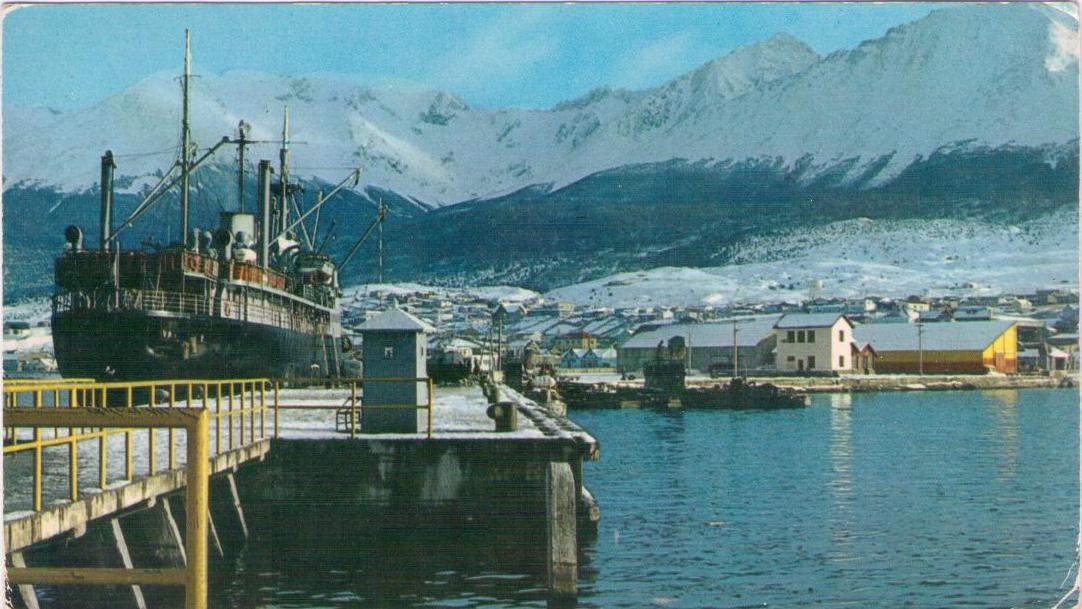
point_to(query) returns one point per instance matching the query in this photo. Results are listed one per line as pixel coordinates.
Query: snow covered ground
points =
(857, 258)
(459, 412)
(502, 293)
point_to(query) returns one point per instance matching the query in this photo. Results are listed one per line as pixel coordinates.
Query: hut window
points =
(811, 336)
(388, 353)
(841, 336)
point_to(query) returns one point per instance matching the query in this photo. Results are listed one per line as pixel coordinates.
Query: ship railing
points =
(275, 314)
(40, 416)
(131, 299)
(349, 411)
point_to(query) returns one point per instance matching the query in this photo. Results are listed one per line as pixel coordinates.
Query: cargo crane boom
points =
(378, 221)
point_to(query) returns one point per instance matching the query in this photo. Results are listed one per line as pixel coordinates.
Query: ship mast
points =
(283, 160)
(185, 138)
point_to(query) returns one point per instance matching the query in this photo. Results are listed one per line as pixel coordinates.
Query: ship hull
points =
(140, 345)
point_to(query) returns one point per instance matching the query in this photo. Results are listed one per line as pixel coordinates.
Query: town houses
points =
(1006, 334)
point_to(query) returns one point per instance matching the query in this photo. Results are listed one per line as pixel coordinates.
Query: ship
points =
(253, 297)
(665, 386)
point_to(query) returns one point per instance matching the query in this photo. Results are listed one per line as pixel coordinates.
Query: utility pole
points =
(736, 353)
(185, 138)
(382, 214)
(920, 347)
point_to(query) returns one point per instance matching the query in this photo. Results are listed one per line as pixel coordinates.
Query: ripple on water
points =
(945, 499)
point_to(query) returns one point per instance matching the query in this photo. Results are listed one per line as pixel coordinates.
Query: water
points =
(946, 499)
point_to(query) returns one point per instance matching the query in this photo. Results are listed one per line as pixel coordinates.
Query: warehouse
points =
(711, 345)
(973, 347)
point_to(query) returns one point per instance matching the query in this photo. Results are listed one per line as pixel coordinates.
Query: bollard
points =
(505, 414)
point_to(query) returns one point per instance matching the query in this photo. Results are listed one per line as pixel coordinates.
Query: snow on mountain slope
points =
(981, 75)
(503, 293)
(861, 257)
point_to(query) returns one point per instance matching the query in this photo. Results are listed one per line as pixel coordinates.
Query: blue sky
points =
(489, 54)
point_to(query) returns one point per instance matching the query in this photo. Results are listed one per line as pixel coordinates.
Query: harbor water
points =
(924, 499)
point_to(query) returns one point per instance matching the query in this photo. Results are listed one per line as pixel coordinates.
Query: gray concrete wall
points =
(343, 489)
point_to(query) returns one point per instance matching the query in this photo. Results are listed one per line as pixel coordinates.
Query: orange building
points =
(972, 347)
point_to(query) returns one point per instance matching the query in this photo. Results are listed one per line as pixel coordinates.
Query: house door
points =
(800, 365)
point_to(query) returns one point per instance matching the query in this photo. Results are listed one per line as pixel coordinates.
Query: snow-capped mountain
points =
(984, 75)
(969, 114)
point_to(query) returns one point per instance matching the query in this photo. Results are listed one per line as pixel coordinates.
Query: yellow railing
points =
(355, 402)
(195, 422)
(81, 410)
(238, 409)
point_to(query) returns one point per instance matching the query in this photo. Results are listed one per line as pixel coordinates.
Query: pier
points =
(131, 493)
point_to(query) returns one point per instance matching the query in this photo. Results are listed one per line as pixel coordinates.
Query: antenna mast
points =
(185, 137)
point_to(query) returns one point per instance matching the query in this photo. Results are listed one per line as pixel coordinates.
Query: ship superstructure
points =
(253, 297)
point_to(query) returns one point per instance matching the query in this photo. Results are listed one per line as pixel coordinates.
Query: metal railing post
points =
(73, 455)
(277, 386)
(37, 457)
(129, 466)
(353, 409)
(218, 413)
(152, 462)
(263, 408)
(252, 413)
(231, 415)
(431, 404)
(172, 432)
(198, 505)
(103, 446)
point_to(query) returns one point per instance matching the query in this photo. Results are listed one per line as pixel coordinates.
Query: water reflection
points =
(1004, 435)
(888, 500)
(841, 461)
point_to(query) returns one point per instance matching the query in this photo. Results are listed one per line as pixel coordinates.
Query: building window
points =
(811, 336)
(841, 336)
(388, 353)
(791, 358)
(800, 336)
(811, 362)
(790, 336)
(841, 361)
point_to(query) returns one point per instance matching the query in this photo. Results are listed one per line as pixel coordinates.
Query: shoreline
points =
(874, 383)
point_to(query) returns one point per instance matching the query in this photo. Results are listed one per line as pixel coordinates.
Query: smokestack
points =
(265, 228)
(107, 167)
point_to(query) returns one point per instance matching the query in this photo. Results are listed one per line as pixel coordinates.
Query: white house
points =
(814, 342)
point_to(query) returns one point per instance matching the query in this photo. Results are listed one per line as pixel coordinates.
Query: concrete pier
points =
(466, 473)
(313, 483)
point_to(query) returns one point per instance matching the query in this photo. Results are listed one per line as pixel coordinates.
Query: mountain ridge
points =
(970, 113)
(773, 98)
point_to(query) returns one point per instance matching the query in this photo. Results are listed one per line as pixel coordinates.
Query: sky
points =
(494, 55)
